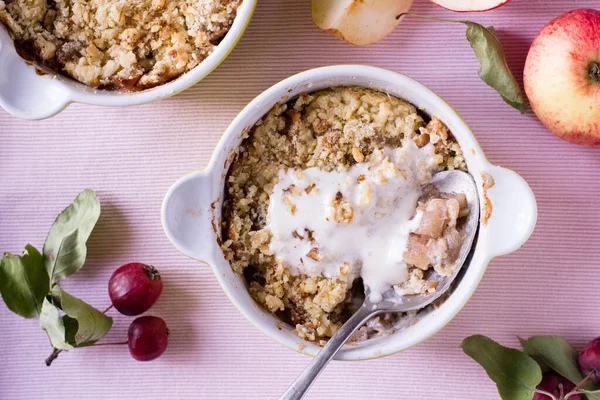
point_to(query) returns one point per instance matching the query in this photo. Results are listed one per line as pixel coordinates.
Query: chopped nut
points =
(311, 238)
(343, 212)
(358, 155)
(274, 303)
(46, 49)
(293, 189)
(93, 54)
(290, 206)
(314, 254)
(366, 195)
(344, 269)
(381, 178)
(158, 4)
(320, 125)
(310, 188)
(130, 35)
(422, 140)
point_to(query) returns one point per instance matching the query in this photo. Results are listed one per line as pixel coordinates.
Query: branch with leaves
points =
(547, 368)
(29, 282)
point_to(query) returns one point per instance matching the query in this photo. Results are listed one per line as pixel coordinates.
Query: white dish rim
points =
(192, 207)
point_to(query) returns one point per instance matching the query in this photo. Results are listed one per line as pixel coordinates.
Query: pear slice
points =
(360, 22)
(470, 5)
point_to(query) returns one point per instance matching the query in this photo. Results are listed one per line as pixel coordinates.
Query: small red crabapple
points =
(134, 288)
(148, 337)
(551, 383)
(589, 360)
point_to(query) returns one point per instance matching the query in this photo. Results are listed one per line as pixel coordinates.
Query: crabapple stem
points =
(110, 344)
(545, 393)
(561, 391)
(583, 381)
(53, 356)
(105, 311)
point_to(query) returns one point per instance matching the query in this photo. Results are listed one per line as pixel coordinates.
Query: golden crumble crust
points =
(129, 44)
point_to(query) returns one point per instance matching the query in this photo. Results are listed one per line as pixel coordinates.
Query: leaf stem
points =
(105, 311)
(109, 344)
(53, 356)
(55, 352)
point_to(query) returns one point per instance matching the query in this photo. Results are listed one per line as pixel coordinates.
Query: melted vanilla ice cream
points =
(345, 224)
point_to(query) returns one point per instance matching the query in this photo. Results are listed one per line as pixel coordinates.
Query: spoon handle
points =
(305, 380)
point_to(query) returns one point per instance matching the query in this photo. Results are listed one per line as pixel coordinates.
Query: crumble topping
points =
(129, 44)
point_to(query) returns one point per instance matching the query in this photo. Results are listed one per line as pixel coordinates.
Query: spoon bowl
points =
(390, 302)
(444, 182)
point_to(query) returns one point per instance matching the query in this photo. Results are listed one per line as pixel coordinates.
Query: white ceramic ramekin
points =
(26, 94)
(192, 207)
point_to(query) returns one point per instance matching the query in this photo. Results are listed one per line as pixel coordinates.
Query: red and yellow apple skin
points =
(470, 5)
(562, 77)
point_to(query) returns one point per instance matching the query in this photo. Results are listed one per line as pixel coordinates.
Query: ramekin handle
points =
(24, 93)
(187, 216)
(513, 212)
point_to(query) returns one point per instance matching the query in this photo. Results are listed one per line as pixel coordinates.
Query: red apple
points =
(562, 76)
(470, 5)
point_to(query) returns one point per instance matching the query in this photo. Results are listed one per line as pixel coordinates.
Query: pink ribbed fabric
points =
(131, 156)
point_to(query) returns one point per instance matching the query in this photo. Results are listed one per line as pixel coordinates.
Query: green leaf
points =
(493, 68)
(71, 328)
(24, 282)
(591, 395)
(64, 249)
(558, 354)
(92, 324)
(515, 373)
(52, 323)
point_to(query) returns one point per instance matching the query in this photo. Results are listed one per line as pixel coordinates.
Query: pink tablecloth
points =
(132, 155)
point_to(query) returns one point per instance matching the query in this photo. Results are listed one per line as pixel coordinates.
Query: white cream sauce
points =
(351, 223)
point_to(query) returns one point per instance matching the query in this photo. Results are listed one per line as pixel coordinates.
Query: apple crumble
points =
(328, 193)
(118, 44)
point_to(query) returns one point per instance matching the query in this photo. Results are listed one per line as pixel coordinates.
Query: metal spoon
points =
(445, 182)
